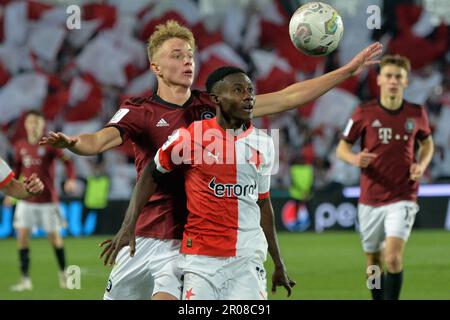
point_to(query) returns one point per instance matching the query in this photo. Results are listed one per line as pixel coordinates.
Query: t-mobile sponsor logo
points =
(231, 190)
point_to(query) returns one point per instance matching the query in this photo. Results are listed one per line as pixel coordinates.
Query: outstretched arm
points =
(86, 144)
(303, 92)
(279, 276)
(144, 189)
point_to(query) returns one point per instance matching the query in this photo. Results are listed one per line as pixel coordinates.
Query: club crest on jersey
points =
(231, 190)
(410, 125)
(207, 115)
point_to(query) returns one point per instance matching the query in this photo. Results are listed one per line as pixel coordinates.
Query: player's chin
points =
(187, 81)
(246, 116)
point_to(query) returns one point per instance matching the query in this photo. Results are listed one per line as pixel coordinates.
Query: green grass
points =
(325, 266)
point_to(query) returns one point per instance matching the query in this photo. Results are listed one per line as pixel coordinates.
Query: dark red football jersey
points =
(148, 122)
(41, 160)
(391, 135)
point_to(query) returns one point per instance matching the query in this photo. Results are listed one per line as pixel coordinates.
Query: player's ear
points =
(379, 79)
(214, 98)
(155, 68)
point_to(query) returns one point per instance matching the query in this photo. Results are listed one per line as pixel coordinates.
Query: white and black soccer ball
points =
(316, 29)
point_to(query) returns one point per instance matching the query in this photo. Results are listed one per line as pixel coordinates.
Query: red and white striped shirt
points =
(6, 174)
(226, 172)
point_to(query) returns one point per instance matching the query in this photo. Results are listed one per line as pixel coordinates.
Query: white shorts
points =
(392, 220)
(153, 269)
(213, 278)
(41, 215)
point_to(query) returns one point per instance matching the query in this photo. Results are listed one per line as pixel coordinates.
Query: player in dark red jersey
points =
(227, 167)
(41, 210)
(389, 128)
(147, 122)
(14, 188)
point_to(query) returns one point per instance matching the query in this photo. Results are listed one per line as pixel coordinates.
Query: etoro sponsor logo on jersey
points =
(231, 190)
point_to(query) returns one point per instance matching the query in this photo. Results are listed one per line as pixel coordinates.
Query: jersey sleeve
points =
(175, 151)
(6, 174)
(424, 127)
(266, 170)
(130, 120)
(355, 127)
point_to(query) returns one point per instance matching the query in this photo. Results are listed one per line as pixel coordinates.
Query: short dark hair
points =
(397, 60)
(218, 75)
(34, 112)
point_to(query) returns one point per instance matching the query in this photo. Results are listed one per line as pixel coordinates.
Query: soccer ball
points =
(316, 29)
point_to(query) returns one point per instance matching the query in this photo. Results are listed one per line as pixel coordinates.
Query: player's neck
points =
(228, 123)
(391, 102)
(32, 140)
(174, 94)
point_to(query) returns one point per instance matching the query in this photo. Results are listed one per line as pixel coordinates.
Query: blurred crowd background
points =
(78, 78)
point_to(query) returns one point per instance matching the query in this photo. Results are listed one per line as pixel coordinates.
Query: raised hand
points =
(58, 140)
(365, 58)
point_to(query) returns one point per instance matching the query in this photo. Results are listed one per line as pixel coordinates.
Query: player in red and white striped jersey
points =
(14, 188)
(227, 165)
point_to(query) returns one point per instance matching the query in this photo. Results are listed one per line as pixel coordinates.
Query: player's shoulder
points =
(413, 106)
(261, 140)
(135, 102)
(200, 99)
(261, 133)
(201, 96)
(22, 143)
(368, 105)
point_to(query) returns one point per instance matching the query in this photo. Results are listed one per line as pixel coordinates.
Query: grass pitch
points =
(325, 266)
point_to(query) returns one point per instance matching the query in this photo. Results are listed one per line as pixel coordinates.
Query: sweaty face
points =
(236, 97)
(392, 81)
(173, 63)
(34, 125)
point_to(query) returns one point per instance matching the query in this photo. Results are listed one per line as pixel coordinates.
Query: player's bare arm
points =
(86, 144)
(279, 276)
(425, 153)
(361, 159)
(143, 190)
(303, 92)
(31, 186)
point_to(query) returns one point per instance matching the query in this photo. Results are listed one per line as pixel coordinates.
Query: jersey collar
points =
(160, 100)
(237, 134)
(396, 111)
